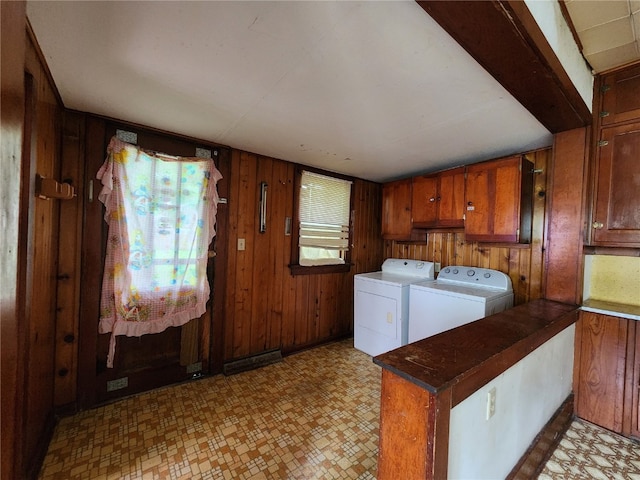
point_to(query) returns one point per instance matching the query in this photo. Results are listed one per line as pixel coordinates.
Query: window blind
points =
(324, 219)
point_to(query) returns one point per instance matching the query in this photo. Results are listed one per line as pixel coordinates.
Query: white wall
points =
(549, 17)
(527, 395)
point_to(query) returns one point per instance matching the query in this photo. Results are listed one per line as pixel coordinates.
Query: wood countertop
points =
(466, 358)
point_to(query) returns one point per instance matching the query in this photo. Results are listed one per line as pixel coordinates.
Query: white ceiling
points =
(376, 90)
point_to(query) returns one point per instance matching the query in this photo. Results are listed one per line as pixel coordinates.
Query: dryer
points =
(460, 295)
(381, 304)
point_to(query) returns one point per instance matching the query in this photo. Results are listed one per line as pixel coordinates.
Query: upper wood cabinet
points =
(437, 199)
(620, 96)
(499, 200)
(616, 214)
(396, 210)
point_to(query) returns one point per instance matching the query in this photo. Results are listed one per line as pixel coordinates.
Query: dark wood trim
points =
(542, 447)
(25, 269)
(572, 27)
(12, 273)
(152, 131)
(504, 38)
(41, 58)
(319, 269)
(629, 415)
(566, 209)
(95, 149)
(219, 266)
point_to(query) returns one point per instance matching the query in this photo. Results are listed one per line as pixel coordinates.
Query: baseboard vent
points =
(249, 363)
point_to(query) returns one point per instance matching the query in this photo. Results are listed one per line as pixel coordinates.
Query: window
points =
(322, 230)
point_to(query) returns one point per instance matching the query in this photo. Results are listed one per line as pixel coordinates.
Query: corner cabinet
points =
(499, 200)
(438, 199)
(396, 210)
(615, 219)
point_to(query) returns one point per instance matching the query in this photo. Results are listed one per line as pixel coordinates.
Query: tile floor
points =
(588, 451)
(312, 416)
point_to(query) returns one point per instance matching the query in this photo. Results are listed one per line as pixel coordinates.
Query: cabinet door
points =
(396, 210)
(480, 189)
(424, 201)
(494, 195)
(451, 198)
(620, 96)
(600, 370)
(616, 219)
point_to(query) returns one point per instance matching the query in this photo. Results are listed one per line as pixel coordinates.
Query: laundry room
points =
(218, 214)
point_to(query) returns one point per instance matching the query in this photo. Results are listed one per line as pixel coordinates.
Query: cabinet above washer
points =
(437, 199)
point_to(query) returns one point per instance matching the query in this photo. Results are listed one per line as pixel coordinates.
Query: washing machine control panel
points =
(481, 277)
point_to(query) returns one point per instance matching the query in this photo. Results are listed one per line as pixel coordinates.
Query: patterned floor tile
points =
(587, 451)
(312, 416)
(315, 415)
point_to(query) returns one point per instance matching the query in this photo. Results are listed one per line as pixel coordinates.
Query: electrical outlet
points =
(491, 403)
(117, 384)
(241, 244)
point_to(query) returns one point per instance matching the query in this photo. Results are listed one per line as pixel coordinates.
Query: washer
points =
(460, 295)
(381, 304)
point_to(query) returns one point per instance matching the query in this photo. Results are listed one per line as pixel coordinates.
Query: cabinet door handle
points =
(597, 225)
(432, 199)
(469, 203)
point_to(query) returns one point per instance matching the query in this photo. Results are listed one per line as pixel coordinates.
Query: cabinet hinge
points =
(604, 114)
(605, 88)
(603, 143)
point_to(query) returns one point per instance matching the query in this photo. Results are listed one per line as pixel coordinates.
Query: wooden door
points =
(396, 210)
(616, 219)
(424, 201)
(149, 361)
(451, 198)
(601, 369)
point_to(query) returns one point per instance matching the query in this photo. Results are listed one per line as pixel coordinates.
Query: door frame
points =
(98, 131)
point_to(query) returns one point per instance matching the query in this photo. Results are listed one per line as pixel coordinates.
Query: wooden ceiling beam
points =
(504, 38)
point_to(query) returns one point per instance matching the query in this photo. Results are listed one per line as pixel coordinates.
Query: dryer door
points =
(377, 320)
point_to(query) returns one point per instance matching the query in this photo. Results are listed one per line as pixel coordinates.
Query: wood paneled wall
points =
(12, 273)
(523, 263)
(39, 248)
(266, 307)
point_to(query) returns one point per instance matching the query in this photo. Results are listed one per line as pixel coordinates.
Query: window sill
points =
(319, 269)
